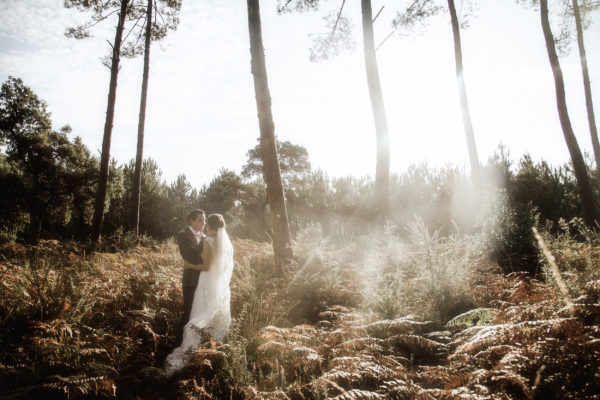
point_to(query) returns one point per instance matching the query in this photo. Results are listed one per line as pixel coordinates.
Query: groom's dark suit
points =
(191, 251)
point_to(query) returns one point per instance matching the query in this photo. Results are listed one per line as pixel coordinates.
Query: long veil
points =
(210, 313)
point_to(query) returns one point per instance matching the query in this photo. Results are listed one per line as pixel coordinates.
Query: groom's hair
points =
(192, 215)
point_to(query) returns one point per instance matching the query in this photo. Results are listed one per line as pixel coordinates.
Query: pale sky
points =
(201, 113)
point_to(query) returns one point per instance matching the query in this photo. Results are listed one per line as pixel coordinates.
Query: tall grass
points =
(576, 249)
(426, 274)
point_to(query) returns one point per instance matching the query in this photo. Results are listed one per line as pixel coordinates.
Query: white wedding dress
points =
(210, 310)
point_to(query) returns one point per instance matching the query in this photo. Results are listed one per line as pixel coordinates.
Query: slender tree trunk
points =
(35, 211)
(382, 171)
(586, 84)
(282, 245)
(108, 125)
(464, 104)
(579, 167)
(137, 178)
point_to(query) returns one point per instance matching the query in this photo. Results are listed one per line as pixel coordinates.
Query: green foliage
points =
(391, 300)
(293, 162)
(238, 361)
(443, 198)
(507, 236)
(49, 185)
(478, 316)
(337, 37)
(153, 199)
(284, 6)
(223, 192)
(552, 190)
(251, 218)
(310, 199)
(166, 10)
(49, 171)
(416, 13)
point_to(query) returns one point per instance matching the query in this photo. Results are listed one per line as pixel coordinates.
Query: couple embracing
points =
(208, 265)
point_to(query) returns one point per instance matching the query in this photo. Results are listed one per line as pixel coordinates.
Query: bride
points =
(210, 315)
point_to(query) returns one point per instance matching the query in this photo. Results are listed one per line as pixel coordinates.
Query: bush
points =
(506, 233)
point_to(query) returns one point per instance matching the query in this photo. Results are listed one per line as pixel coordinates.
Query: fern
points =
(342, 378)
(512, 384)
(386, 328)
(82, 387)
(271, 348)
(362, 343)
(414, 343)
(478, 316)
(357, 394)
(399, 389)
(344, 362)
(493, 354)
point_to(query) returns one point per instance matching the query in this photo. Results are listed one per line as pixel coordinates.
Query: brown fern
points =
(357, 394)
(82, 387)
(387, 328)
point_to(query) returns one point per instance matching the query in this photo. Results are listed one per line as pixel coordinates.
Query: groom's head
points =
(196, 219)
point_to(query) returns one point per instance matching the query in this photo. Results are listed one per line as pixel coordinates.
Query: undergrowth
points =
(382, 316)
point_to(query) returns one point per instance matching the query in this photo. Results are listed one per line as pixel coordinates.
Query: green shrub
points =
(506, 233)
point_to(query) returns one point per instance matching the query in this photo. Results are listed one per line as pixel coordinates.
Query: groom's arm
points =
(197, 267)
(205, 258)
(190, 251)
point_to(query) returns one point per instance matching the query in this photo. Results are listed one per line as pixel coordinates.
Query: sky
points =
(201, 113)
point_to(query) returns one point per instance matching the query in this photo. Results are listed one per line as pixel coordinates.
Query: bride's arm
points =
(206, 254)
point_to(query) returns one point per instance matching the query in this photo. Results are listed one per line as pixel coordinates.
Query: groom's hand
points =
(197, 267)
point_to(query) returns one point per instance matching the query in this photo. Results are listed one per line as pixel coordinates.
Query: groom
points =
(190, 241)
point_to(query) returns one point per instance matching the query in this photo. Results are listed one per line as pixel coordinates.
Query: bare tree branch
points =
(131, 30)
(378, 12)
(80, 32)
(333, 30)
(383, 41)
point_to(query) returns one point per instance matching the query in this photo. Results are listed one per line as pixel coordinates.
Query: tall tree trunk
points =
(282, 245)
(586, 84)
(579, 167)
(464, 104)
(137, 177)
(35, 211)
(108, 125)
(382, 171)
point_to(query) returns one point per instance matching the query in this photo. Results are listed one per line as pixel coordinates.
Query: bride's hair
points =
(215, 221)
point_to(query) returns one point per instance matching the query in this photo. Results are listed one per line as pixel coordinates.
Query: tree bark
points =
(35, 211)
(137, 177)
(108, 125)
(382, 171)
(586, 84)
(282, 245)
(464, 104)
(579, 167)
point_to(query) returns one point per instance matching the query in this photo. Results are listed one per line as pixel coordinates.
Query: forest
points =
(431, 283)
